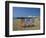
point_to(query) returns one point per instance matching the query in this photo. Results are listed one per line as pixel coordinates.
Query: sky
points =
(24, 11)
